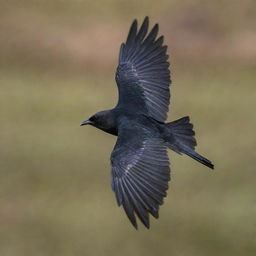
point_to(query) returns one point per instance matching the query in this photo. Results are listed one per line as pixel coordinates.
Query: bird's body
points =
(140, 164)
(117, 117)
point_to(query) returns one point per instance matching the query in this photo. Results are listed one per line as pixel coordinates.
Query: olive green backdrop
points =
(57, 65)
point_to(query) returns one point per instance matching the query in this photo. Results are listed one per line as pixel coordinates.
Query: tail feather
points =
(181, 139)
(197, 157)
(183, 132)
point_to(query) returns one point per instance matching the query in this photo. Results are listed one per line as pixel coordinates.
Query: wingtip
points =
(148, 225)
(135, 225)
(134, 23)
(145, 23)
(132, 32)
(146, 19)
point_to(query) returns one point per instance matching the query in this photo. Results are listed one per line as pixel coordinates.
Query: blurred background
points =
(57, 66)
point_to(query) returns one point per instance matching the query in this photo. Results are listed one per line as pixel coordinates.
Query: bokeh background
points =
(57, 65)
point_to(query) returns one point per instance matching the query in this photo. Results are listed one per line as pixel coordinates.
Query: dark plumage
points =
(140, 165)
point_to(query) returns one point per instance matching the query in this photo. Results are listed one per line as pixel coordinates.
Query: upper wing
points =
(140, 174)
(143, 75)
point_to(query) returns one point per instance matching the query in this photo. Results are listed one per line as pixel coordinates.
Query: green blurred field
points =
(57, 64)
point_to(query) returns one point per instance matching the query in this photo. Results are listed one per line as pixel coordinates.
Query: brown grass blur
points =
(57, 65)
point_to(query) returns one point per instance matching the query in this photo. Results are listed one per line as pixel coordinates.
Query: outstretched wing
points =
(143, 75)
(140, 174)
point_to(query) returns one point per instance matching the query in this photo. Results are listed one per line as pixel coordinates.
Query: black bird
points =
(140, 165)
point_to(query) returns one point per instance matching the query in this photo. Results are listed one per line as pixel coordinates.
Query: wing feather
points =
(143, 75)
(140, 174)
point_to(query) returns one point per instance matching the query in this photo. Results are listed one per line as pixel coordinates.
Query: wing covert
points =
(143, 75)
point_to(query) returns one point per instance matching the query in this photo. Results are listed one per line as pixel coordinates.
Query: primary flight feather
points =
(140, 164)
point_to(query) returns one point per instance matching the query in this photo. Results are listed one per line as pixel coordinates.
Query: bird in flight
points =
(139, 160)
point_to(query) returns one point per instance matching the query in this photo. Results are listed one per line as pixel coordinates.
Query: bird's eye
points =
(93, 118)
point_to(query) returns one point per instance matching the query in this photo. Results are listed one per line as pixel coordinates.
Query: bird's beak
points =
(86, 122)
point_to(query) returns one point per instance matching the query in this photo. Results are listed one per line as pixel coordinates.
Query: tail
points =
(180, 138)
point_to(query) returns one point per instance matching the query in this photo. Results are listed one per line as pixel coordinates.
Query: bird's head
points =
(94, 120)
(102, 120)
